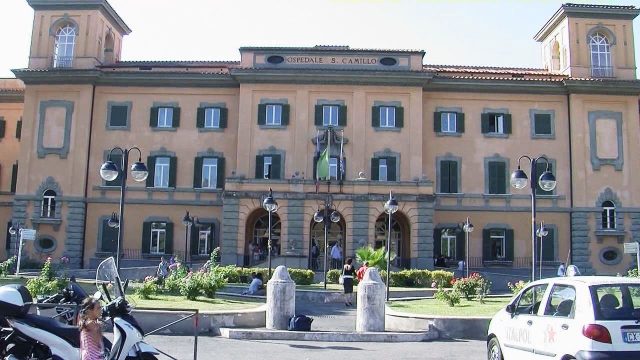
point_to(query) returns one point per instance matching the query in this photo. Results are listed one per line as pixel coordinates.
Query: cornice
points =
(495, 86)
(11, 97)
(605, 87)
(67, 76)
(392, 78)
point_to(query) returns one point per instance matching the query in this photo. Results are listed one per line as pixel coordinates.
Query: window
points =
(382, 172)
(600, 56)
(608, 215)
(108, 236)
(212, 118)
(330, 114)
(63, 51)
(3, 126)
(542, 124)
(158, 237)
(118, 115)
(165, 117)
(19, 129)
(448, 243)
(617, 302)
(384, 169)
(529, 301)
(48, 209)
(204, 241)
(333, 168)
(497, 177)
(268, 166)
(387, 117)
(560, 302)
(496, 123)
(14, 177)
(448, 122)
(45, 244)
(448, 176)
(498, 244)
(209, 173)
(274, 114)
(161, 173)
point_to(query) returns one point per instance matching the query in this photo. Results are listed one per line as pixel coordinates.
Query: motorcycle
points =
(70, 295)
(34, 337)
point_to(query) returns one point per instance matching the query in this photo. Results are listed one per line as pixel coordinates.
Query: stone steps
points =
(328, 336)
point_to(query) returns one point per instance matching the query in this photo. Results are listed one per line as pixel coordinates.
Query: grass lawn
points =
(437, 307)
(203, 304)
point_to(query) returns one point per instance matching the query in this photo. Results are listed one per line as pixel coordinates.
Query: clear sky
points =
(488, 33)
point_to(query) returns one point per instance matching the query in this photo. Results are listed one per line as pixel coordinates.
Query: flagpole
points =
(341, 156)
(329, 158)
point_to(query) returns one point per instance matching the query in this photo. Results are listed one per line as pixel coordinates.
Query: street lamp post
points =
(541, 232)
(390, 207)
(547, 182)
(187, 221)
(109, 172)
(271, 206)
(14, 229)
(467, 227)
(326, 216)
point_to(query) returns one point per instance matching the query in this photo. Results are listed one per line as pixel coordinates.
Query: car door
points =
(519, 335)
(557, 327)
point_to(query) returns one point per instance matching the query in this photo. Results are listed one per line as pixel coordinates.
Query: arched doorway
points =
(400, 241)
(257, 237)
(336, 233)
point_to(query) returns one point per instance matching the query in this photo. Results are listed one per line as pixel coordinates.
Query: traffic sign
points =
(630, 248)
(28, 234)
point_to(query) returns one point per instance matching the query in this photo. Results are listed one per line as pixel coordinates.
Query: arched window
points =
(48, 204)
(555, 56)
(65, 42)
(600, 49)
(608, 215)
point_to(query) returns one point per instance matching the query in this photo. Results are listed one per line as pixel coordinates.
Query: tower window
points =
(65, 42)
(600, 49)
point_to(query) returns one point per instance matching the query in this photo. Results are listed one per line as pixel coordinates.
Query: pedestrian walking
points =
(347, 281)
(163, 270)
(315, 252)
(336, 255)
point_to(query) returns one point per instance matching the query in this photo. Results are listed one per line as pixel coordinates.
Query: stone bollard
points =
(281, 299)
(371, 302)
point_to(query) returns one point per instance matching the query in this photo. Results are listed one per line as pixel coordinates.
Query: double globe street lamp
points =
(390, 207)
(326, 216)
(188, 221)
(271, 206)
(546, 181)
(109, 171)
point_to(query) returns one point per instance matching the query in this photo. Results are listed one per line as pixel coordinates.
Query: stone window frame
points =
(395, 104)
(48, 184)
(386, 153)
(448, 157)
(127, 125)
(36, 244)
(215, 223)
(166, 104)
(454, 109)
(532, 118)
(219, 105)
(597, 162)
(503, 111)
(272, 150)
(615, 261)
(267, 101)
(210, 153)
(62, 151)
(496, 157)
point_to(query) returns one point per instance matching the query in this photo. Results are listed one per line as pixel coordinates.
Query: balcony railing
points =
(602, 72)
(62, 62)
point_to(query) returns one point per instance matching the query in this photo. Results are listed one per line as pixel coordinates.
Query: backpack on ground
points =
(300, 323)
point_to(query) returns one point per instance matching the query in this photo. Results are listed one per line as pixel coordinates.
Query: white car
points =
(582, 317)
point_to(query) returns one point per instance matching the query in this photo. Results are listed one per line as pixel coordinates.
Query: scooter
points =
(34, 337)
(67, 296)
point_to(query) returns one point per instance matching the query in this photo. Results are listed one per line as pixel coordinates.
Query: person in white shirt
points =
(336, 256)
(561, 270)
(255, 285)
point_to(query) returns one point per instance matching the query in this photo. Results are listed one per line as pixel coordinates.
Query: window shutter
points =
(444, 177)
(151, 166)
(153, 118)
(548, 246)
(460, 244)
(542, 124)
(484, 119)
(486, 245)
(221, 174)
(146, 237)
(399, 117)
(437, 242)
(3, 125)
(117, 159)
(460, 123)
(318, 116)
(508, 239)
(200, 118)
(173, 171)
(262, 114)
(501, 172)
(276, 167)
(375, 116)
(375, 169)
(109, 240)
(259, 167)
(19, 130)
(453, 176)
(285, 114)
(342, 115)
(197, 172)
(224, 115)
(507, 123)
(14, 177)
(437, 121)
(315, 165)
(168, 244)
(194, 235)
(391, 169)
(175, 122)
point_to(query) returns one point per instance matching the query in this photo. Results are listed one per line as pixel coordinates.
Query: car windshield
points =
(616, 301)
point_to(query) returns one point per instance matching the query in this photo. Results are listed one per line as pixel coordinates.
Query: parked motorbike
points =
(35, 337)
(71, 295)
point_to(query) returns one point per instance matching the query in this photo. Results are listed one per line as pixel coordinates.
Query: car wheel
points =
(493, 350)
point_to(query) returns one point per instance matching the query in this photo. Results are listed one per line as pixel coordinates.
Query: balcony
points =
(602, 72)
(61, 62)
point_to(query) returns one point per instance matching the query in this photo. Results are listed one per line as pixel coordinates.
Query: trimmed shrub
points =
(301, 276)
(450, 297)
(333, 275)
(442, 278)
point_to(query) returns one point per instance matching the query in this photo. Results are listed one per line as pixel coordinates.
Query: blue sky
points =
(487, 33)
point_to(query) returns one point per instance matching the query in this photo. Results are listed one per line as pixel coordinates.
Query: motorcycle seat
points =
(69, 333)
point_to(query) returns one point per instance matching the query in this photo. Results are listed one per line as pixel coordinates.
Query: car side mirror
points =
(511, 309)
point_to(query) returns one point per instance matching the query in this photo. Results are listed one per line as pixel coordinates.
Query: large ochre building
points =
(216, 135)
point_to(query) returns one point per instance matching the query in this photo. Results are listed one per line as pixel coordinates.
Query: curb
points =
(328, 336)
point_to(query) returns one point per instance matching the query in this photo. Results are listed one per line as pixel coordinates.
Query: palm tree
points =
(375, 257)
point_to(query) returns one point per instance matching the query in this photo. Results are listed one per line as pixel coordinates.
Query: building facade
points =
(217, 135)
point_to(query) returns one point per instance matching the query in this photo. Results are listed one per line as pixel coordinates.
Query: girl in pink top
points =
(90, 330)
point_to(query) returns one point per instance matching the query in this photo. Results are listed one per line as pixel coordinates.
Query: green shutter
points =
(548, 246)
(221, 174)
(391, 169)
(444, 177)
(502, 177)
(153, 117)
(224, 116)
(318, 116)
(542, 124)
(453, 176)
(342, 116)
(19, 130)
(173, 171)
(460, 123)
(460, 244)
(485, 124)
(117, 159)
(285, 114)
(399, 117)
(197, 172)
(146, 237)
(437, 242)
(200, 118)
(375, 116)
(486, 245)
(276, 167)
(194, 236)
(437, 121)
(175, 122)
(375, 168)
(262, 114)
(259, 167)
(3, 125)
(14, 177)
(492, 178)
(168, 244)
(315, 166)
(151, 166)
(507, 123)
(109, 240)
(509, 244)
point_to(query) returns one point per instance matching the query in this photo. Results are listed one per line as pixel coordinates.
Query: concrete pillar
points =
(281, 299)
(371, 295)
